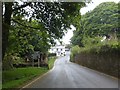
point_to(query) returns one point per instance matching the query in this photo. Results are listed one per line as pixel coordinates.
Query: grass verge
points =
(18, 76)
(51, 62)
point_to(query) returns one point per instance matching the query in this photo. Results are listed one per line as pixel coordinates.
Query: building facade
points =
(58, 49)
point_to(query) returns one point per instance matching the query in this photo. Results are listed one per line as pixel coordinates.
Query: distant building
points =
(58, 49)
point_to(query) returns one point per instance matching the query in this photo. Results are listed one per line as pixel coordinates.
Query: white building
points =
(58, 49)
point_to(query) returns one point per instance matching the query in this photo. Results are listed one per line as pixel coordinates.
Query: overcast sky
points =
(91, 6)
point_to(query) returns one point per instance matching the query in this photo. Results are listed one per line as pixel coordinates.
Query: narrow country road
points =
(70, 75)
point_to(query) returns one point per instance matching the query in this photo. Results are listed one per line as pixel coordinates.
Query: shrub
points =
(51, 54)
(75, 50)
(104, 58)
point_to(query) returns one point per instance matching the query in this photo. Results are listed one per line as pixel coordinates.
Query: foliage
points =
(33, 26)
(11, 59)
(97, 48)
(74, 50)
(52, 18)
(23, 40)
(104, 58)
(92, 52)
(51, 61)
(19, 76)
(51, 54)
(91, 42)
(101, 21)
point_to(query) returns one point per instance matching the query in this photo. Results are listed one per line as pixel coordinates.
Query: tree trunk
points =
(6, 22)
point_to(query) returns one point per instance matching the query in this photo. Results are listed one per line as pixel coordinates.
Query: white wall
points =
(58, 49)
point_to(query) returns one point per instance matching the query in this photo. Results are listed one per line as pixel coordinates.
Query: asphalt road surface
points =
(70, 75)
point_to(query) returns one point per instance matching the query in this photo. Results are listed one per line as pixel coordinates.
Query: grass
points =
(51, 62)
(19, 76)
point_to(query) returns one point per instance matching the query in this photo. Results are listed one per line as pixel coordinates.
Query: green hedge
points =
(105, 59)
(51, 54)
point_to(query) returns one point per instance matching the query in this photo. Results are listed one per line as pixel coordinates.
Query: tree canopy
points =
(29, 26)
(103, 20)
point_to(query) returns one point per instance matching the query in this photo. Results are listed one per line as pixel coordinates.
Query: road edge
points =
(99, 72)
(39, 77)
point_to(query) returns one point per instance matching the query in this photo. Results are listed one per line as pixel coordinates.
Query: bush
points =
(104, 58)
(75, 50)
(11, 59)
(51, 54)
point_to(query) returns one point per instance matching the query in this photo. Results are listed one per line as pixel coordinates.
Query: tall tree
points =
(103, 20)
(55, 17)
